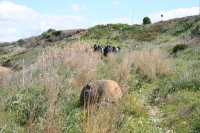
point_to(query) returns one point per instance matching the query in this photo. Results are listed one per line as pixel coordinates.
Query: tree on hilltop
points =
(146, 20)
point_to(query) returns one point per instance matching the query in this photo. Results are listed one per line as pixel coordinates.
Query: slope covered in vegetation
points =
(158, 70)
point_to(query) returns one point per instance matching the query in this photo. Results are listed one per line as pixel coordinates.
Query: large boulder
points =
(100, 91)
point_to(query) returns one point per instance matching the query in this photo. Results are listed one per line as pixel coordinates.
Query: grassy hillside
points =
(157, 69)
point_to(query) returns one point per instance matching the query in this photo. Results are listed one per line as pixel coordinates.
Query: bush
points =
(48, 36)
(146, 20)
(179, 47)
(56, 33)
(25, 104)
(50, 40)
(21, 42)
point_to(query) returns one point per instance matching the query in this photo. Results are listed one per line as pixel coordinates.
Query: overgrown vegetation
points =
(161, 90)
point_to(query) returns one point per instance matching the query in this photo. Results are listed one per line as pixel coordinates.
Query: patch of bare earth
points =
(16, 50)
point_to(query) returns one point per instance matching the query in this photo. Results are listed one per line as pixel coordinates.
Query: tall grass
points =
(83, 67)
(87, 66)
(115, 67)
(113, 118)
(56, 93)
(152, 64)
(101, 120)
(53, 119)
(76, 66)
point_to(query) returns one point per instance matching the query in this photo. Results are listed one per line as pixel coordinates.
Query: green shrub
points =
(24, 103)
(50, 40)
(21, 42)
(56, 33)
(186, 81)
(179, 47)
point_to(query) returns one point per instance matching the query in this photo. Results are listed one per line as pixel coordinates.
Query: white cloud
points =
(20, 21)
(115, 2)
(76, 7)
(178, 13)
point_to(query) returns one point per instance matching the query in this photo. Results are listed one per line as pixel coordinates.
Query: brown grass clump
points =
(152, 64)
(54, 54)
(117, 68)
(4, 74)
(77, 57)
(111, 118)
(53, 119)
(101, 120)
(83, 65)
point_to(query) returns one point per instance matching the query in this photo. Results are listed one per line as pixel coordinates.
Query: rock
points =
(100, 91)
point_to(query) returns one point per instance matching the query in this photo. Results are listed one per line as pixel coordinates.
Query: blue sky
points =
(26, 18)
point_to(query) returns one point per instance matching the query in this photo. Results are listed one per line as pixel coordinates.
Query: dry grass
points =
(76, 59)
(123, 71)
(100, 120)
(53, 119)
(117, 68)
(152, 64)
(4, 75)
(53, 54)
(51, 123)
(113, 118)
(87, 66)
(84, 66)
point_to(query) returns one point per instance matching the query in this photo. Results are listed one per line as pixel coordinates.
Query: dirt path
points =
(16, 50)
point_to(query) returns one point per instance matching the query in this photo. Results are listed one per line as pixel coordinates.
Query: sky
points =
(21, 19)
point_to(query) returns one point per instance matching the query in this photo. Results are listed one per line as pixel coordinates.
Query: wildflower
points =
(184, 123)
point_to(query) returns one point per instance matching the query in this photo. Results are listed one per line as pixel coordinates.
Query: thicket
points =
(57, 33)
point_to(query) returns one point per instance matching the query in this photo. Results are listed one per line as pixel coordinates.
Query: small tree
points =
(146, 20)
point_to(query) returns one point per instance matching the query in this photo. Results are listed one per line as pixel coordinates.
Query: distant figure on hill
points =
(106, 50)
(95, 47)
